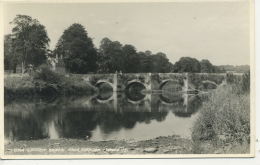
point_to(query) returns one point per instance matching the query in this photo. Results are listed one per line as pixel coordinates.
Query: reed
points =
(225, 119)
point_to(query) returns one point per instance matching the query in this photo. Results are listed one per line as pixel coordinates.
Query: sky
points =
(217, 31)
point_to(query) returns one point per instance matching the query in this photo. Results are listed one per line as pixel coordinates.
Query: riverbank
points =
(45, 82)
(160, 145)
(224, 121)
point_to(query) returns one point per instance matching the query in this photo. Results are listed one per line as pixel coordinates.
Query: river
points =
(104, 116)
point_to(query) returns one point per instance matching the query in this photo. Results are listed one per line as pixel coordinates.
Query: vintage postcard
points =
(136, 79)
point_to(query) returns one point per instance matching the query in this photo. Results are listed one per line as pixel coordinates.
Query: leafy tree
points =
(110, 56)
(206, 67)
(9, 59)
(131, 59)
(29, 41)
(145, 61)
(160, 63)
(77, 50)
(187, 64)
(148, 53)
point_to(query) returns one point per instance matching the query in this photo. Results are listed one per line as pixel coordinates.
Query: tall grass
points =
(225, 119)
(19, 87)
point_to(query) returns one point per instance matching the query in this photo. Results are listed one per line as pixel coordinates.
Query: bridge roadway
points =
(153, 81)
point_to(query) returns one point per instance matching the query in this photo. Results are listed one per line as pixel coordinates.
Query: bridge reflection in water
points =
(101, 117)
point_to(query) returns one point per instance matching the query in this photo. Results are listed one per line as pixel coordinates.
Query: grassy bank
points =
(223, 125)
(45, 82)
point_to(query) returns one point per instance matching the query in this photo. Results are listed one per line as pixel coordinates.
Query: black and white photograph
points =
(128, 79)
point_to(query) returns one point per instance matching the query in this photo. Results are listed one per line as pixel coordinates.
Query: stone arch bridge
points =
(153, 81)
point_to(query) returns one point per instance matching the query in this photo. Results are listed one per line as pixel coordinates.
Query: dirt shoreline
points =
(161, 145)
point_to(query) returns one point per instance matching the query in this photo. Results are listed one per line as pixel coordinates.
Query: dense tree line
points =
(28, 44)
(113, 57)
(188, 64)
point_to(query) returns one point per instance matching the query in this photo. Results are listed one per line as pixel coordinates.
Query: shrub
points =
(46, 74)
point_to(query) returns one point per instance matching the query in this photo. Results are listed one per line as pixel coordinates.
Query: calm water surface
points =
(106, 116)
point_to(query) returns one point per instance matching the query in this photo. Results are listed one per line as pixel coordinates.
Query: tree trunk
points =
(22, 68)
(14, 68)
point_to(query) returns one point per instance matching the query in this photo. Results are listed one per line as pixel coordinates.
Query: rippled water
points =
(106, 116)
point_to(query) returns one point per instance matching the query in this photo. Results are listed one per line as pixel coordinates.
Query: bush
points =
(46, 74)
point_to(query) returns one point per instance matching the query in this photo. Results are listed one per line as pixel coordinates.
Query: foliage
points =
(160, 63)
(76, 86)
(225, 115)
(242, 82)
(237, 68)
(245, 84)
(187, 64)
(77, 49)
(192, 65)
(19, 87)
(154, 63)
(29, 41)
(9, 59)
(45, 74)
(113, 57)
(110, 58)
(206, 67)
(131, 59)
(145, 62)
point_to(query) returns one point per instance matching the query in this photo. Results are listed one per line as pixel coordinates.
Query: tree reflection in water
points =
(78, 117)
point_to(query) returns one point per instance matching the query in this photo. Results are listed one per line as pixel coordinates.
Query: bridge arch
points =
(105, 96)
(208, 81)
(164, 82)
(135, 101)
(165, 100)
(105, 101)
(130, 83)
(140, 97)
(100, 82)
